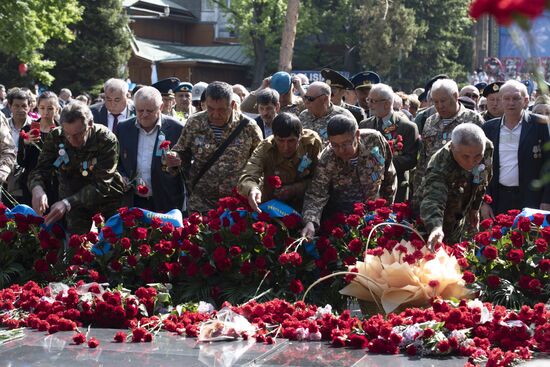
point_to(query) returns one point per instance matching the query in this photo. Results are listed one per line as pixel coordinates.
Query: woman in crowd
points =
(31, 140)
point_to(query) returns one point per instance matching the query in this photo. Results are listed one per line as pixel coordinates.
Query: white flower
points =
(205, 307)
(302, 333)
(327, 310)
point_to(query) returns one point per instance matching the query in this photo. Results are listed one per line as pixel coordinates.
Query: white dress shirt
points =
(508, 154)
(111, 119)
(145, 152)
(15, 131)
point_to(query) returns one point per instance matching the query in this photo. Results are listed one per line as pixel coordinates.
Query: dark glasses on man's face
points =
(311, 99)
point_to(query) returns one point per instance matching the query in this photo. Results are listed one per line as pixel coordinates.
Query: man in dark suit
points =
(399, 131)
(150, 185)
(116, 107)
(519, 138)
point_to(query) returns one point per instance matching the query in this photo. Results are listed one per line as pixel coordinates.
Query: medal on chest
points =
(63, 157)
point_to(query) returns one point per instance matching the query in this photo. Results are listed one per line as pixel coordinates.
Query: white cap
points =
(198, 88)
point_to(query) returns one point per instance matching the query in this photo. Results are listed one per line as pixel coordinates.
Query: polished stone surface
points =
(40, 349)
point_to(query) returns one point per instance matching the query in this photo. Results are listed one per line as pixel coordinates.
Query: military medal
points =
(63, 156)
(85, 168)
(376, 153)
(444, 138)
(305, 162)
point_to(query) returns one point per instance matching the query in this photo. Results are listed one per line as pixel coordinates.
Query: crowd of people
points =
(319, 147)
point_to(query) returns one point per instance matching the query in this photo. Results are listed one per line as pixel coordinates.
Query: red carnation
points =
(165, 145)
(434, 283)
(355, 245)
(93, 343)
(120, 337)
(34, 132)
(490, 252)
(142, 189)
(275, 182)
(544, 265)
(79, 339)
(542, 245)
(138, 334)
(487, 199)
(358, 341)
(443, 346)
(40, 266)
(98, 219)
(515, 256)
(538, 219)
(493, 281)
(468, 277)
(24, 135)
(296, 286)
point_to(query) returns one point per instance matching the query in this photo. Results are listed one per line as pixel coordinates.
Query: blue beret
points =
(184, 87)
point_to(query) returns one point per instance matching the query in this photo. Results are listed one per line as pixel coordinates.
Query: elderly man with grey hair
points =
(115, 108)
(439, 126)
(454, 184)
(399, 131)
(519, 137)
(319, 109)
(84, 158)
(149, 185)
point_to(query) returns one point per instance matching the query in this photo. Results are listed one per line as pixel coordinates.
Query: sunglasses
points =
(311, 99)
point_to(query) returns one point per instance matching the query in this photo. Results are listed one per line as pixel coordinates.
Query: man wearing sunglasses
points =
(339, 84)
(319, 109)
(356, 167)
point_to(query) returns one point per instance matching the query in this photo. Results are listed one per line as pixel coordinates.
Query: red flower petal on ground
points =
(93, 343)
(79, 338)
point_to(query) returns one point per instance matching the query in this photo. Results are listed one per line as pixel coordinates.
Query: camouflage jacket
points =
(436, 134)
(196, 145)
(297, 171)
(88, 178)
(449, 192)
(319, 124)
(338, 184)
(7, 149)
(249, 105)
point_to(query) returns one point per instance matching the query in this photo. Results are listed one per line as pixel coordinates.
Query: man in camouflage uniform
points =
(291, 153)
(320, 109)
(84, 156)
(338, 86)
(423, 114)
(285, 85)
(438, 128)
(7, 150)
(400, 132)
(454, 184)
(356, 167)
(203, 134)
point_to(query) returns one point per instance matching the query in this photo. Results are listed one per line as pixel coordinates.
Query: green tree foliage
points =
(259, 25)
(444, 47)
(100, 51)
(26, 26)
(389, 34)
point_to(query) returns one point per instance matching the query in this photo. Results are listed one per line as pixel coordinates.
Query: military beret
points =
(184, 87)
(281, 82)
(335, 79)
(530, 86)
(365, 79)
(424, 95)
(492, 88)
(167, 86)
(480, 86)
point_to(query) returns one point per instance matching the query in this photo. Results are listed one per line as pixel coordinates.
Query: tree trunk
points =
(261, 63)
(289, 35)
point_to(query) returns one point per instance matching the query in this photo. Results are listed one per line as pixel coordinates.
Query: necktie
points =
(115, 121)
